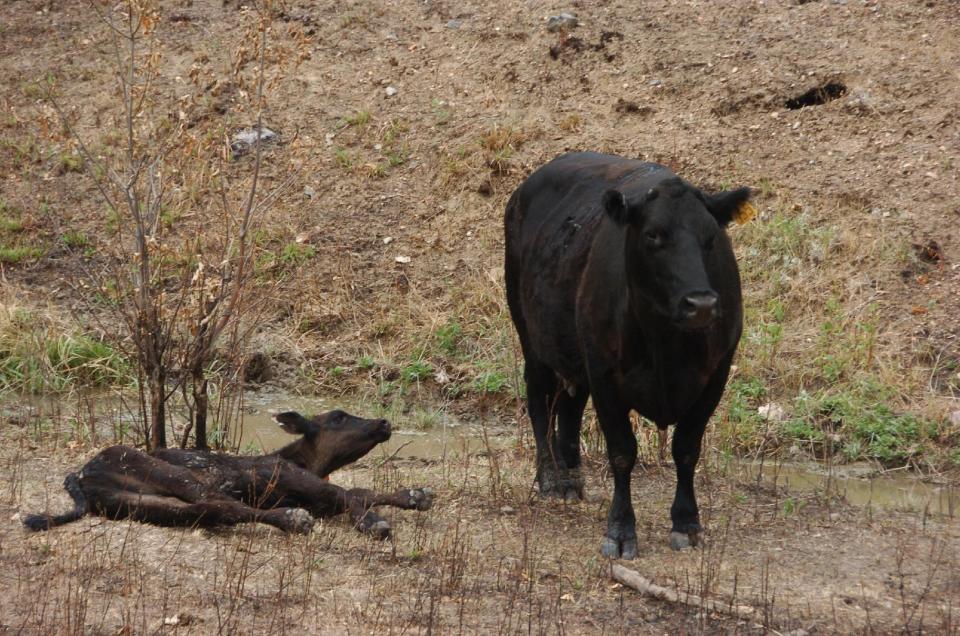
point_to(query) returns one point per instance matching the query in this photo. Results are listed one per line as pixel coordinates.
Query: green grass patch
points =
(17, 255)
(359, 118)
(37, 356)
(75, 239)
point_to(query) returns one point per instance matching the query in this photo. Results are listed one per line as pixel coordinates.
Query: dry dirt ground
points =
(489, 558)
(484, 94)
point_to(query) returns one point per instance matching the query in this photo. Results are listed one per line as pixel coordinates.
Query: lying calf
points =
(286, 489)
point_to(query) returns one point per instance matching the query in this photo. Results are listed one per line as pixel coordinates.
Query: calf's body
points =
(623, 288)
(286, 489)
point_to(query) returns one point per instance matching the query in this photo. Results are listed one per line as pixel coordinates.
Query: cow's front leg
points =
(684, 515)
(685, 528)
(621, 538)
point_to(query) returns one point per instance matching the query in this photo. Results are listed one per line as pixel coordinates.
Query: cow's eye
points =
(654, 238)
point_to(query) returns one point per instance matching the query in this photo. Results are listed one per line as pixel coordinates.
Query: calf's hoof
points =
(299, 520)
(619, 548)
(683, 540)
(380, 529)
(375, 526)
(421, 498)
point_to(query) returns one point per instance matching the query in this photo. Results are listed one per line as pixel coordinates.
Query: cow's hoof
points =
(564, 484)
(683, 540)
(619, 549)
(573, 493)
(299, 520)
(421, 498)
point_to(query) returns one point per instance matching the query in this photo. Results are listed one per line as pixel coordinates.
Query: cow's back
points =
(552, 220)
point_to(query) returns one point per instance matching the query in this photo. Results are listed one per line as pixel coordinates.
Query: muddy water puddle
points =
(859, 484)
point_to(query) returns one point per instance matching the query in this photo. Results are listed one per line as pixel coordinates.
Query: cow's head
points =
(671, 231)
(330, 440)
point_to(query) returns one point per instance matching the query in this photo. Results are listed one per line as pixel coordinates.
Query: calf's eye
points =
(654, 238)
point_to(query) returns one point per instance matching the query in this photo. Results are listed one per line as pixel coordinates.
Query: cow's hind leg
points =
(542, 402)
(170, 511)
(570, 407)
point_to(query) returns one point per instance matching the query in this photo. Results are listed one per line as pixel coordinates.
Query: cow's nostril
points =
(700, 306)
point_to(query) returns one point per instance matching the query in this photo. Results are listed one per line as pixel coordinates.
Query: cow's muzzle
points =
(699, 309)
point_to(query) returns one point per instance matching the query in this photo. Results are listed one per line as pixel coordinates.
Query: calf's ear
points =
(728, 205)
(295, 424)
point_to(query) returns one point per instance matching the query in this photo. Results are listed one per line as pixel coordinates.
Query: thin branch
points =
(633, 579)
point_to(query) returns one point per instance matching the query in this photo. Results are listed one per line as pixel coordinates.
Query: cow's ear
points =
(615, 203)
(295, 424)
(729, 205)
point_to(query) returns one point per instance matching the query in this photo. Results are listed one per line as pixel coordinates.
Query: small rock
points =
(328, 138)
(954, 417)
(244, 140)
(441, 376)
(772, 412)
(453, 24)
(387, 240)
(390, 91)
(309, 192)
(564, 21)
(507, 510)
(403, 260)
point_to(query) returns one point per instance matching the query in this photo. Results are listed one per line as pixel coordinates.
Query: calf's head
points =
(671, 231)
(331, 440)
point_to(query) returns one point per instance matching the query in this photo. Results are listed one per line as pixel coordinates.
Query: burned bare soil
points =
(404, 126)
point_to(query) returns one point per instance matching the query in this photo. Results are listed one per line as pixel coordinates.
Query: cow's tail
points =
(45, 522)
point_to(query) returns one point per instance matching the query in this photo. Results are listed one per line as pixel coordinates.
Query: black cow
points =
(286, 489)
(623, 286)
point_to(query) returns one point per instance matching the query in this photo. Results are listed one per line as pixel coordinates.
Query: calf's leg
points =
(170, 511)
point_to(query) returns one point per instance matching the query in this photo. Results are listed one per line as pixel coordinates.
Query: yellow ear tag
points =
(744, 212)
